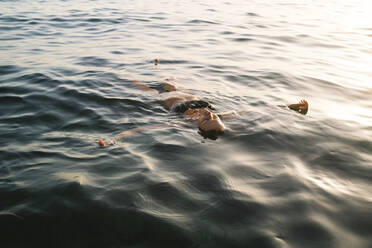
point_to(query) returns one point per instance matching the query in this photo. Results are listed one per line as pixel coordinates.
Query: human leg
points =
(143, 86)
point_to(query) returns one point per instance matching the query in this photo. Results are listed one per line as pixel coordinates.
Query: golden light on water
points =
(78, 177)
(330, 183)
(360, 16)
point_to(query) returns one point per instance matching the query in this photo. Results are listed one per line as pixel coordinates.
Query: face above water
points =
(209, 121)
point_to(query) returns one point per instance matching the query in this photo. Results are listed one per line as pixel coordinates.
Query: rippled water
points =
(275, 179)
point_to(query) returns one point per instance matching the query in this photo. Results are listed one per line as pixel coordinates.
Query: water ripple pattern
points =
(274, 179)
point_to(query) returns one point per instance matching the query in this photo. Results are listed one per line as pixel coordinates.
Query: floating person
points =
(201, 112)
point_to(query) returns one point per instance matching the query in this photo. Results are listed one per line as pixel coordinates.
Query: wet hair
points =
(213, 134)
(195, 104)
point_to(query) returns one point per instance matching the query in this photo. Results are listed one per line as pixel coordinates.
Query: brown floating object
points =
(301, 107)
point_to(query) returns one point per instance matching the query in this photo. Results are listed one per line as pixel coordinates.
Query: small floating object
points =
(156, 61)
(301, 107)
(101, 142)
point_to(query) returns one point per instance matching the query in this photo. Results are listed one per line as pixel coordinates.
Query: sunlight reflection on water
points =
(274, 179)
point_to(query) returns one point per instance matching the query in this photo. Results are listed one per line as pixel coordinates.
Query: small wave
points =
(86, 98)
(11, 38)
(8, 19)
(141, 20)
(260, 26)
(72, 215)
(12, 100)
(325, 45)
(58, 20)
(252, 14)
(97, 31)
(198, 21)
(73, 23)
(243, 39)
(9, 69)
(118, 52)
(103, 20)
(46, 33)
(39, 119)
(299, 232)
(342, 160)
(287, 39)
(158, 18)
(9, 28)
(86, 119)
(93, 20)
(234, 212)
(93, 61)
(33, 23)
(169, 61)
(227, 32)
(36, 81)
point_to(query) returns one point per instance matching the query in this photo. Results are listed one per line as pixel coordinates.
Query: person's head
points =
(210, 122)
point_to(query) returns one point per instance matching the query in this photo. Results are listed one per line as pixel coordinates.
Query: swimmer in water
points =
(199, 111)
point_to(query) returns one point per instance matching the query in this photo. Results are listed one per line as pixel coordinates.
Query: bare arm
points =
(231, 115)
(142, 86)
(301, 107)
(127, 134)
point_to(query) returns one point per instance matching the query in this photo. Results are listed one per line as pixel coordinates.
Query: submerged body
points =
(196, 110)
(210, 124)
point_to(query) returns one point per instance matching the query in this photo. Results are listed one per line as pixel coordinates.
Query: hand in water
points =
(101, 143)
(301, 107)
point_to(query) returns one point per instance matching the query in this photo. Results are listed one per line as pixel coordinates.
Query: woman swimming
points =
(199, 111)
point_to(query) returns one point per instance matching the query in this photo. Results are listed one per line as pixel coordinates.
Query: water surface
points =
(275, 179)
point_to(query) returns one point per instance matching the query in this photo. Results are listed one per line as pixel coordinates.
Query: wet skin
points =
(301, 107)
(208, 122)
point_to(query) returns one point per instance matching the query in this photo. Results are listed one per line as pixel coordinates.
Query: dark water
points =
(275, 179)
